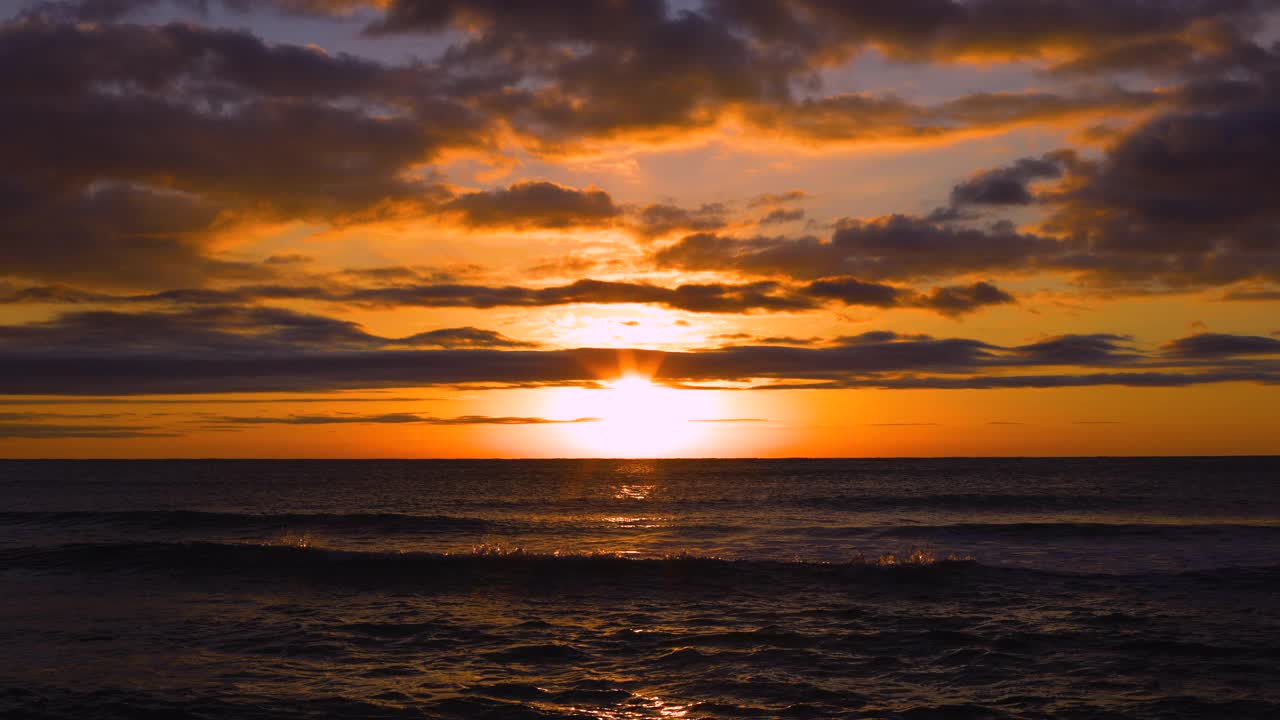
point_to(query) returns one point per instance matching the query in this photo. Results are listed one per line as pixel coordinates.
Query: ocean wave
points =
(763, 697)
(191, 523)
(401, 523)
(977, 501)
(1078, 530)
(495, 564)
(300, 560)
(203, 520)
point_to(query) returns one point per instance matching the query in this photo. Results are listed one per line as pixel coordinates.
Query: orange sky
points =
(319, 229)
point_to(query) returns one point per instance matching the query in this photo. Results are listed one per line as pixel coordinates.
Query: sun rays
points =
(637, 418)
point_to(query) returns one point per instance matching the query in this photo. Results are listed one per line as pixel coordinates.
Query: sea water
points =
(959, 588)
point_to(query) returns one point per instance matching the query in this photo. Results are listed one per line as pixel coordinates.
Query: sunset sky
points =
(425, 228)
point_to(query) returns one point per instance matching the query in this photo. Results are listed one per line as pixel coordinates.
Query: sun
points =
(636, 418)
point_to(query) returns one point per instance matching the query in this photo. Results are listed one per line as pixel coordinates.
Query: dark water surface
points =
(1098, 588)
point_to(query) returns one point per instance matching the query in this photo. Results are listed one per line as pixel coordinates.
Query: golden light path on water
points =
(646, 709)
(634, 418)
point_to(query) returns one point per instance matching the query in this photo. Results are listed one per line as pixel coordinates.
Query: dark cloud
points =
(212, 328)
(573, 20)
(464, 337)
(401, 274)
(1097, 349)
(852, 291)
(221, 114)
(961, 299)
(220, 328)
(1218, 345)
(658, 219)
(1008, 185)
(562, 72)
(1205, 48)
(900, 247)
(242, 351)
(692, 297)
(249, 364)
(127, 147)
(713, 297)
(1183, 201)
(1158, 54)
(897, 247)
(1180, 202)
(113, 10)
(787, 340)
(42, 431)
(913, 29)
(879, 336)
(184, 62)
(950, 300)
(854, 118)
(580, 71)
(538, 205)
(115, 236)
(749, 339)
(1266, 376)
(942, 29)
(780, 215)
(751, 297)
(1203, 171)
(566, 73)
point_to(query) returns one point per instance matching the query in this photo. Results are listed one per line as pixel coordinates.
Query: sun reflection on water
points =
(637, 523)
(634, 492)
(641, 707)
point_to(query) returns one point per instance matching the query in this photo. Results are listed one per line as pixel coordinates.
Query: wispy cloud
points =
(386, 419)
(42, 431)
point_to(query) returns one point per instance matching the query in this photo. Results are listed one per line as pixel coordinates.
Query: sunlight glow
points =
(637, 418)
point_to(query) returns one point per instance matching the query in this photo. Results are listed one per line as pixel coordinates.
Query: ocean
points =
(612, 589)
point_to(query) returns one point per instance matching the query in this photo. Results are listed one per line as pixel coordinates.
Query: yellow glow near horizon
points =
(636, 418)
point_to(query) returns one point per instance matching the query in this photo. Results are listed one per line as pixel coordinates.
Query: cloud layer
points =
(127, 157)
(235, 350)
(159, 169)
